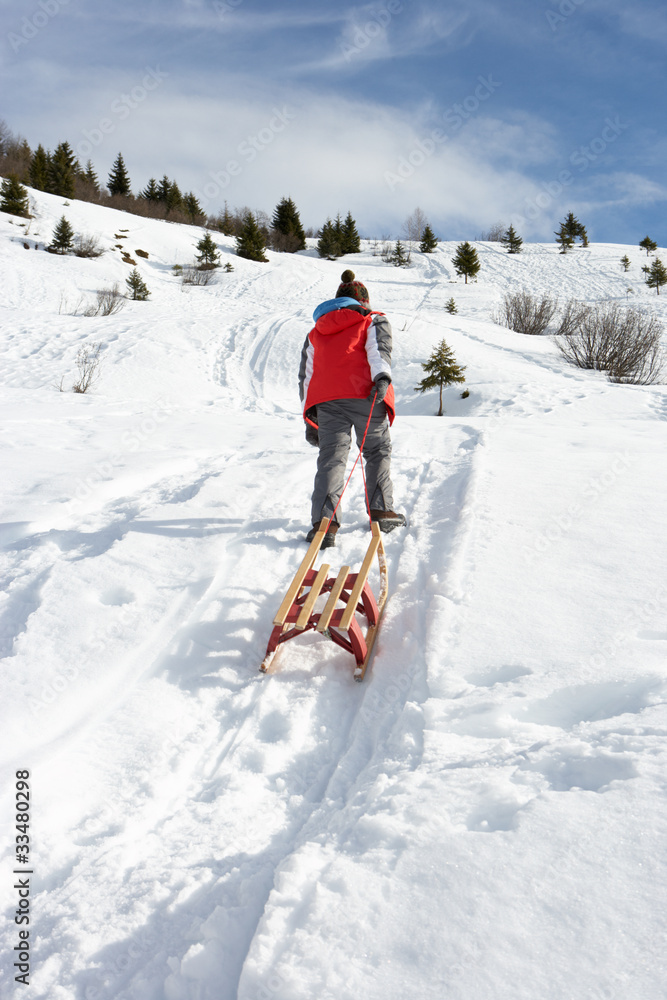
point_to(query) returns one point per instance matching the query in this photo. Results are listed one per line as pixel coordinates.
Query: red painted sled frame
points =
(296, 613)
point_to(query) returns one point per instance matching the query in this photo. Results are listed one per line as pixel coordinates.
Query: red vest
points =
(337, 354)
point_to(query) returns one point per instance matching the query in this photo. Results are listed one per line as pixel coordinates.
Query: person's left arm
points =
(378, 347)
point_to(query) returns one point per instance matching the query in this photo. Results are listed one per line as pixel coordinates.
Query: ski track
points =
(260, 781)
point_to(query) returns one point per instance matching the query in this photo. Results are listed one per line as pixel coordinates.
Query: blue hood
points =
(344, 302)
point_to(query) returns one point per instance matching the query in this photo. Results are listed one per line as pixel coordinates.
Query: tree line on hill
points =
(60, 173)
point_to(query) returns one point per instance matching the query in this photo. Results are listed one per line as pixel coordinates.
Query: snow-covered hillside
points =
(485, 817)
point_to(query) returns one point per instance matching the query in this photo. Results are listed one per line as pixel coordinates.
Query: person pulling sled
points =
(345, 383)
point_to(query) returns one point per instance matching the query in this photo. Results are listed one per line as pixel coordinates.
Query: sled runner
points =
(349, 595)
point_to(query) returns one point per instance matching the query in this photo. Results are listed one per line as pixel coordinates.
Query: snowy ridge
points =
(484, 816)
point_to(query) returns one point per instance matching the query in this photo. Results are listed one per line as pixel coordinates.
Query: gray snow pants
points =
(336, 419)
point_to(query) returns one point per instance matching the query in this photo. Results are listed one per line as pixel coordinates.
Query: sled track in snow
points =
(305, 750)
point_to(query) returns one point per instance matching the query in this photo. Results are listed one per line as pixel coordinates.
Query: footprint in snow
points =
(504, 675)
(116, 596)
(566, 770)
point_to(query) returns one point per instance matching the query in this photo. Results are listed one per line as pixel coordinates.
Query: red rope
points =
(363, 442)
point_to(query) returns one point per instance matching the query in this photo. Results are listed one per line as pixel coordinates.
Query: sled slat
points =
(362, 576)
(297, 583)
(314, 593)
(330, 606)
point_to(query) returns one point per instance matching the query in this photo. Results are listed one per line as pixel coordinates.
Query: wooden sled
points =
(296, 614)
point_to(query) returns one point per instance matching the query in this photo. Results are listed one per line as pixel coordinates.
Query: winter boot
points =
(388, 519)
(329, 539)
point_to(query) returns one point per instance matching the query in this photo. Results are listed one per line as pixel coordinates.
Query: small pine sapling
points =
(63, 237)
(137, 286)
(14, 197)
(657, 275)
(441, 370)
(564, 239)
(208, 255)
(625, 262)
(429, 240)
(398, 257)
(569, 231)
(511, 241)
(451, 306)
(649, 245)
(466, 261)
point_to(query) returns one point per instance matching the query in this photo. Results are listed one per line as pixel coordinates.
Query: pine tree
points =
(63, 237)
(429, 240)
(151, 191)
(90, 176)
(225, 222)
(649, 245)
(62, 171)
(119, 181)
(657, 275)
(192, 208)
(208, 255)
(466, 261)
(164, 188)
(511, 241)
(328, 244)
(39, 169)
(564, 238)
(338, 233)
(398, 257)
(349, 237)
(250, 242)
(287, 223)
(625, 263)
(14, 197)
(451, 306)
(570, 230)
(136, 285)
(174, 199)
(441, 370)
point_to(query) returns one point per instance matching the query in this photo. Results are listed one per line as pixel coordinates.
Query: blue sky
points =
(477, 112)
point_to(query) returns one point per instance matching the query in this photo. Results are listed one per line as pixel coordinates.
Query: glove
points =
(382, 383)
(312, 435)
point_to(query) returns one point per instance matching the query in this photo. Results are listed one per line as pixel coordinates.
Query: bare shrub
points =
(88, 364)
(526, 313)
(109, 301)
(87, 246)
(194, 275)
(283, 242)
(571, 318)
(624, 343)
(493, 233)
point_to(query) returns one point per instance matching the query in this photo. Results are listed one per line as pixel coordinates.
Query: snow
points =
(485, 816)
